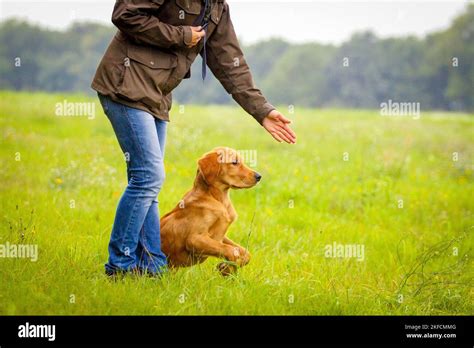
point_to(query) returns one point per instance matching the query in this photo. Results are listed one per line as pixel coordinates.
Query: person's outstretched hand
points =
(278, 126)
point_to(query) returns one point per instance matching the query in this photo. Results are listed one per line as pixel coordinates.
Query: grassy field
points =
(400, 188)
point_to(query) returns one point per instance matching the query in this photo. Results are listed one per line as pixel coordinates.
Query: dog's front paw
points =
(239, 255)
(244, 257)
(226, 268)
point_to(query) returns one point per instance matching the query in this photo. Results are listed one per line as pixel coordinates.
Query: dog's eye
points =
(235, 162)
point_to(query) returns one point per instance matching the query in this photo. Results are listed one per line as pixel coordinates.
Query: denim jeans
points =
(135, 241)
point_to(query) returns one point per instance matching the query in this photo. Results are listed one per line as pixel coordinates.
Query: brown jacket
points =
(148, 56)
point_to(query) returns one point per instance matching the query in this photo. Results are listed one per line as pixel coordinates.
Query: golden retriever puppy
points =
(196, 228)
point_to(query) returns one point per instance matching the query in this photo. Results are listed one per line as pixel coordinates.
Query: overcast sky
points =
(296, 21)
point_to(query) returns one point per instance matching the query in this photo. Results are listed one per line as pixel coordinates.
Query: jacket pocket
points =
(216, 12)
(147, 73)
(189, 6)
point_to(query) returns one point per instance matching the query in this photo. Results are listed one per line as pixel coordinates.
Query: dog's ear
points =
(209, 167)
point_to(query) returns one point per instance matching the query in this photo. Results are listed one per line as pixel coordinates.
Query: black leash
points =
(203, 21)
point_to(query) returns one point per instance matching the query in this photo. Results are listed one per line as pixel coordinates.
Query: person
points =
(149, 56)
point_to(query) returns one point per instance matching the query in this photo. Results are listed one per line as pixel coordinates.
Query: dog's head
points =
(224, 166)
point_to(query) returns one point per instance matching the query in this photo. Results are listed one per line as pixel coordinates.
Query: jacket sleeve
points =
(226, 61)
(135, 18)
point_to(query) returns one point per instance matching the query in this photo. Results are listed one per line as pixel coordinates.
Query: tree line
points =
(436, 71)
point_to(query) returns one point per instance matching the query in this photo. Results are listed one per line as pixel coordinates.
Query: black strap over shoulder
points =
(203, 20)
(204, 15)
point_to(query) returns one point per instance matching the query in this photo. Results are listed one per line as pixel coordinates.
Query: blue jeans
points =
(135, 241)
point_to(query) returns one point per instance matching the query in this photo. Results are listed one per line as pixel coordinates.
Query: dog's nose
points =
(257, 177)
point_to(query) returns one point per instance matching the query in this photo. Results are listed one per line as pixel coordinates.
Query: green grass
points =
(418, 259)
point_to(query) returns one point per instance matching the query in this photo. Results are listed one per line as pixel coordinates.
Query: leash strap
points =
(203, 21)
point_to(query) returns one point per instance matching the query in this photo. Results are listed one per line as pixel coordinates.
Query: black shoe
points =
(121, 273)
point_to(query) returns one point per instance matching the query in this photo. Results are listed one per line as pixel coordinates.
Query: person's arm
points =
(226, 61)
(134, 18)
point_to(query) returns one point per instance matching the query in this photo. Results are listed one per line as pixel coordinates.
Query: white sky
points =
(296, 21)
